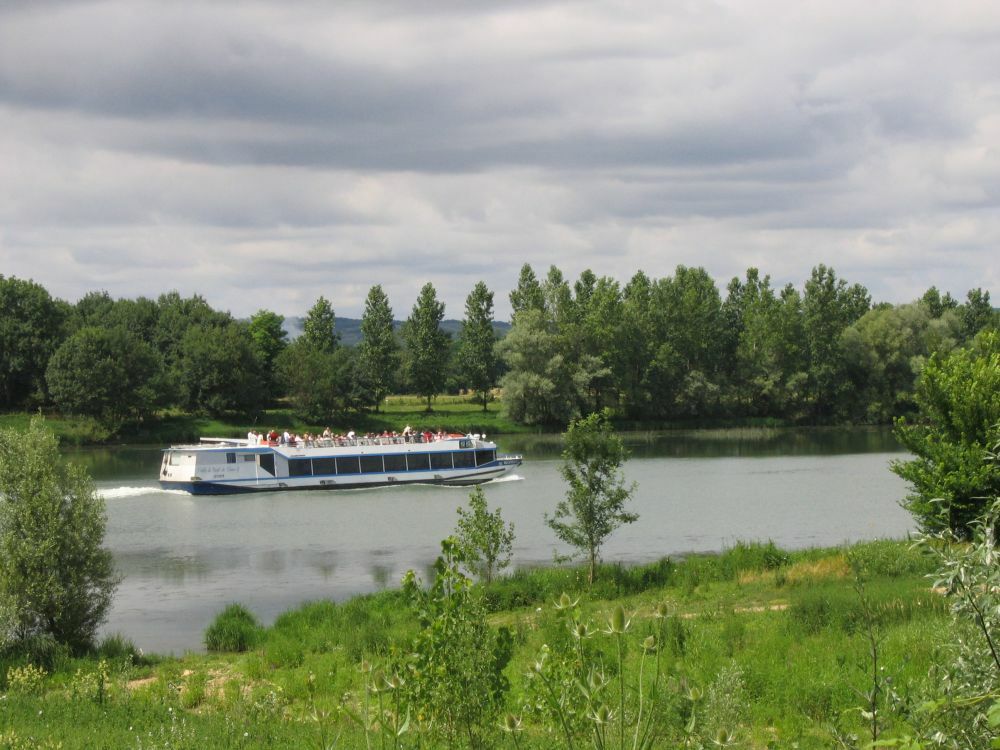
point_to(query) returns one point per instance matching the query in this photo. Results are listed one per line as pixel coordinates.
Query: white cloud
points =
(262, 154)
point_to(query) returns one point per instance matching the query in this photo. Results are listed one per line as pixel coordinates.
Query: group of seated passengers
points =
(328, 438)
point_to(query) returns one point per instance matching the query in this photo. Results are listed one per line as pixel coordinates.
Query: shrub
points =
(41, 650)
(234, 629)
(56, 578)
(26, 680)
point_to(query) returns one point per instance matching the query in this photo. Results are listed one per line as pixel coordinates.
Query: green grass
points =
(234, 629)
(774, 640)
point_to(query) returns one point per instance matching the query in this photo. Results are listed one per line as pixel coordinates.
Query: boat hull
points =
(221, 467)
(221, 487)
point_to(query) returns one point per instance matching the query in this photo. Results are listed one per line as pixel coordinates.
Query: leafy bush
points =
(234, 629)
(26, 680)
(56, 578)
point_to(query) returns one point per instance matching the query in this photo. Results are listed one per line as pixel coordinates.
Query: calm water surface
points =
(184, 558)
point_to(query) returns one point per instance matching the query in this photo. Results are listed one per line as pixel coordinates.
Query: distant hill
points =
(350, 328)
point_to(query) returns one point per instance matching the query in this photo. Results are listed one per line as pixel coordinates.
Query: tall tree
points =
(543, 385)
(108, 374)
(936, 303)
(378, 351)
(750, 310)
(977, 312)
(528, 294)
(477, 343)
(319, 330)
(829, 306)
(427, 344)
(56, 578)
(320, 384)
(558, 298)
(595, 501)
(31, 328)
(176, 315)
(689, 323)
(635, 345)
(881, 353)
(217, 370)
(269, 340)
(596, 332)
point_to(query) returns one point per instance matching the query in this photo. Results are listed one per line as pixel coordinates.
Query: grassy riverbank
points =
(451, 413)
(770, 647)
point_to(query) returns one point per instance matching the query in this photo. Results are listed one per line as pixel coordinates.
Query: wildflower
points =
(564, 602)
(602, 715)
(617, 623)
(511, 724)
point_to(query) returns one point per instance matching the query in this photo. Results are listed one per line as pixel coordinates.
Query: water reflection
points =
(744, 442)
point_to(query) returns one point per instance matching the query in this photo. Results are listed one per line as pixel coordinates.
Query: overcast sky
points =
(264, 153)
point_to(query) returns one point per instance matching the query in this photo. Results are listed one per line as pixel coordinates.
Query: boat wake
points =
(116, 493)
(507, 478)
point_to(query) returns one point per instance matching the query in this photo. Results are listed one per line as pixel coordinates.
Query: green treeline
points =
(650, 350)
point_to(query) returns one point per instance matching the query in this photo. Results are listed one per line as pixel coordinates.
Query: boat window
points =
(267, 463)
(324, 466)
(371, 465)
(348, 465)
(465, 443)
(230, 458)
(464, 459)
(395, 462)
(485, 457)
(178, 459)
(440, 460)
(299, 467)
(417, 462)
(248, 457)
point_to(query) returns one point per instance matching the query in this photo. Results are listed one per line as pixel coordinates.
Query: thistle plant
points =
(572, 689)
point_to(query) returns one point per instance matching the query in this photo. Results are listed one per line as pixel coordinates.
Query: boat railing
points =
(476, 440)
(356, 442)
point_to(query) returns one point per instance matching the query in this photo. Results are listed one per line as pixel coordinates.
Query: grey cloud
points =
(268, 152)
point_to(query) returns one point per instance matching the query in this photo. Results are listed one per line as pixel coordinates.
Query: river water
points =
(184, 558)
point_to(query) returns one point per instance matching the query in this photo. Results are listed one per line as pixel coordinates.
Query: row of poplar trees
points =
(120, 361)
(651, 349)
(675, 349)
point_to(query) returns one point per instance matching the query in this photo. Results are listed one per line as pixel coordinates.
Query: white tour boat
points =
(220, 466)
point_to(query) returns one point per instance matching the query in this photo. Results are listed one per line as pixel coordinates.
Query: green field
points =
(756, 647)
